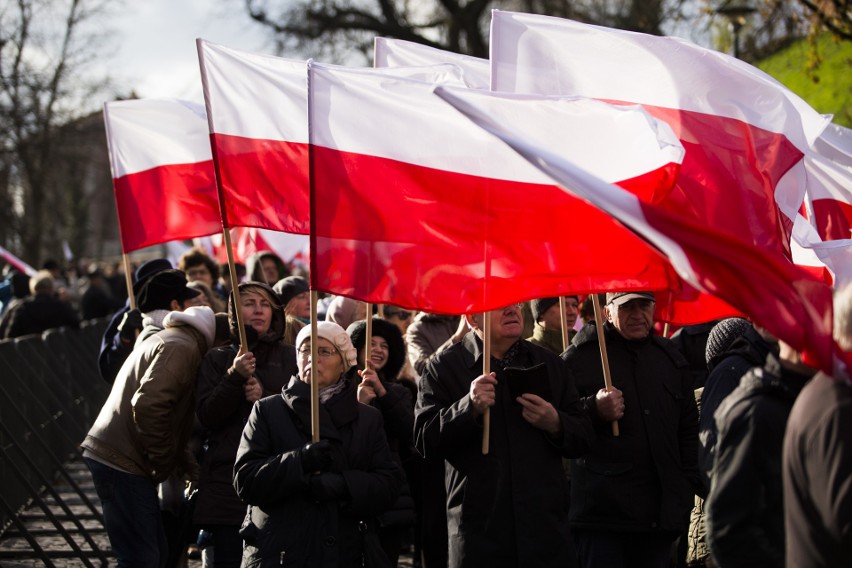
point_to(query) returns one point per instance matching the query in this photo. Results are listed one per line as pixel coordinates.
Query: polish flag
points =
(829, 167)
(162, 171)
(778, 295)
(257, 110)
(416, 206)
(744, 134)
(388, 52)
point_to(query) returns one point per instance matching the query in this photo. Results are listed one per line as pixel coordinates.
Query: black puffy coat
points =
(645, 479)
(744, 511)
(223, 410)
(283, 522)
(510, 507)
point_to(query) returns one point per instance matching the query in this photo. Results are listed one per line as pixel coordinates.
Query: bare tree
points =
(325, 28)
(834, 15)
(44, 45)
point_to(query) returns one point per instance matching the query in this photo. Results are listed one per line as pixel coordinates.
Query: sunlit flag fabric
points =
(389, 52)
(416, 206)
(789, 302)
(257, 107)
(742, 131)
(829, 167)
(162, 171)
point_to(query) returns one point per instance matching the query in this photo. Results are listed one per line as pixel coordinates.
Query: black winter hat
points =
(157, 292)
(148, 269)
(541, 305)
(389, 332)
(290, 287)
(723, 335)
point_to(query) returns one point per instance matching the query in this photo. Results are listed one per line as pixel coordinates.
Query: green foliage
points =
(819, 71)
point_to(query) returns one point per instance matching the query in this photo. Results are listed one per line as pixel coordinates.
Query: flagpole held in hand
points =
(604, 358)
(235, 282)
(369, 331)
(128, 278)
(486, 370)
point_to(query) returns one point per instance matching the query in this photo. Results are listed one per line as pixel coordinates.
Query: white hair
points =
(843, 317)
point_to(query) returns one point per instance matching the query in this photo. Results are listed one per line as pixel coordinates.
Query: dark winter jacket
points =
(39, 313)
(643, 480)
(222, 410)
(691, 341)
(510, 507)
(550, 339)
(284, 525)
(744, 511)
(726, 371)
(817, 469)
(427, 335)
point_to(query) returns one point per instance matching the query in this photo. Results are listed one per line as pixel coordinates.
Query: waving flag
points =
(162, 171)
(416, 205)
(258, 127)
(829, 167)
(743, 133)
(778, 295)
(389, 52)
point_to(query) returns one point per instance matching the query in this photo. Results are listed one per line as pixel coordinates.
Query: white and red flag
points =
(829, 194)
(162, 171)
(389, 52)
(789, 302)
(416, 206)
(257, 109)
(744, 134)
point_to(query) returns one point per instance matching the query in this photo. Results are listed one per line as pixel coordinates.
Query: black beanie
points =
(723, 335)
(541, 305)
(290, 287)
(389, 332)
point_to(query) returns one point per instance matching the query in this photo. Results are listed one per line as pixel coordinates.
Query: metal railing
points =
(50, 393)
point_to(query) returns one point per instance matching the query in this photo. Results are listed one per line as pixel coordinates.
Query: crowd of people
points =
(719, 446)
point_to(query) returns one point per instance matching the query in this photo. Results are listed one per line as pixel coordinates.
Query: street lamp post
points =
(736, 14)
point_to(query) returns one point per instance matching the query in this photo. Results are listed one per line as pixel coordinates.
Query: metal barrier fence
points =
(50, 393)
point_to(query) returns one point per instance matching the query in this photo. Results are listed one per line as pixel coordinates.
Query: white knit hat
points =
(336, 335)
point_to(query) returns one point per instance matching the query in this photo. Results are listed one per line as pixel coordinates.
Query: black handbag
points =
(372, 553)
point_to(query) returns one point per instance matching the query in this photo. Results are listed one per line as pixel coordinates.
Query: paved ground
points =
(17, 552)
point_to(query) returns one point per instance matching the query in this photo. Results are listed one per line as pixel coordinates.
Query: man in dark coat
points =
(817, 460)
(631, 495)
(509, 507)
(43, 310)
(744, 510)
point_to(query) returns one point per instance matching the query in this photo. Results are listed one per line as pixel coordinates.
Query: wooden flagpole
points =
(666, 329)
(368, 319)
(486, 369)
(315, 427)
(604, 358)
(128, 278)
(563, 304)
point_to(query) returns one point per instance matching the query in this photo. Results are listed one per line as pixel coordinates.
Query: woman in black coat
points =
(310, 502)
(228, 386)
(379, 388)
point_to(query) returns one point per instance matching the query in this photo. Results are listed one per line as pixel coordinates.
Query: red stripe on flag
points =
(265, 182)
(430, 226)
(728, 176)
(833, 219)
(166, 203)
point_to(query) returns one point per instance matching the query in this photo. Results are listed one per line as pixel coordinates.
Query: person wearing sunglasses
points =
(313, 504)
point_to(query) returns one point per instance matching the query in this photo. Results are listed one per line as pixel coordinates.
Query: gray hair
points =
(843, 317)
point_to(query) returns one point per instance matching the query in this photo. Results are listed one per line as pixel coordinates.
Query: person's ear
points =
(175, 306)
(474, 321)
(609, 314)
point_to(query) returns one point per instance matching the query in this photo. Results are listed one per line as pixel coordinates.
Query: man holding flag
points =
(509, 507)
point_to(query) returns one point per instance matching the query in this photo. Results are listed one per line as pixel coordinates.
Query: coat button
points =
(330, 541)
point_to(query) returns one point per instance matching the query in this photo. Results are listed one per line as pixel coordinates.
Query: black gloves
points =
(328, 487)
(130, 326)
(316, 457)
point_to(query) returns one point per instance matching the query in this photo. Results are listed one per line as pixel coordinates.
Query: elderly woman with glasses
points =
(314, 504)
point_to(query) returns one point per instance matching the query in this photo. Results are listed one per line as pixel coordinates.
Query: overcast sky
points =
(155, 53)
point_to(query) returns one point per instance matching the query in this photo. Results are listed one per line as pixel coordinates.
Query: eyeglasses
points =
(401, 314)
(322, 352)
